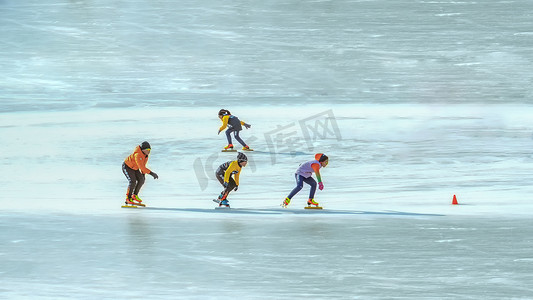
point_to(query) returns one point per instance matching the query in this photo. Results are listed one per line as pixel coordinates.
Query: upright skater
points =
(224, 175)
(134, 167)
(304, 174)
(234, 126)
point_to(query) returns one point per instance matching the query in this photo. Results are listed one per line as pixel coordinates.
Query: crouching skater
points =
(304, 174)
(228, 175)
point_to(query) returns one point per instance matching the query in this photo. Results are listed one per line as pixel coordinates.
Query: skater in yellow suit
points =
(224, 175)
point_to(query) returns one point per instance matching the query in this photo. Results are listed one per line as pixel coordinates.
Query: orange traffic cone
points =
(454, 201)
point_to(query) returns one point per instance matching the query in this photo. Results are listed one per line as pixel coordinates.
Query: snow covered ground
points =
(413, 101)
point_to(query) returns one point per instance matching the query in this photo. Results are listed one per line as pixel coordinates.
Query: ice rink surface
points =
(413, 101)
(185, 254)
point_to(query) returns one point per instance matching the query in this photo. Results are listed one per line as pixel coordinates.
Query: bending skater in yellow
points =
(224, 175)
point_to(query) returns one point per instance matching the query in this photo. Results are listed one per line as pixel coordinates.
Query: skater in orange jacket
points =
(234, 126)
(304, 174)
(134, 168)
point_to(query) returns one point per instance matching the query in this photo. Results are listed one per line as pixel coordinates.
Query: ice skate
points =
(224, 202)
(229, 148)
(247, 148)
(129, 201)
(285, 202)
(312, 202)
(219, 199)
(136, 200)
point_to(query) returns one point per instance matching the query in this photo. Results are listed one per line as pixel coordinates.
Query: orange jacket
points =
(138, 160)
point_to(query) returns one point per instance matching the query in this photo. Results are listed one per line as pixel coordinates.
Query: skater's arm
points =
(225, 120)
(141, 163)
(245, 125)
(316, 168)
(236, 178)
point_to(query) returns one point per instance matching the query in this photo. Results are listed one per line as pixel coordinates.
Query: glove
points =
(320, 186)
(236, 188)
(219, 132)
(225, 184)
(154, 175)
(247, 126)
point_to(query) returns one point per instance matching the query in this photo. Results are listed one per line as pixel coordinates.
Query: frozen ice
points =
(413, 101)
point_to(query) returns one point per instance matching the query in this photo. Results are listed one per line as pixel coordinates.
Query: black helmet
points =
(241, 157)
(321, 157)
(145, 145)
(223, 112)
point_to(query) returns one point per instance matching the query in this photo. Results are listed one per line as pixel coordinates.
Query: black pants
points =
(231, 183)
(135, 179)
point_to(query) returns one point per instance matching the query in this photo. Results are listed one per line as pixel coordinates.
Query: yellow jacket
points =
(235, 169)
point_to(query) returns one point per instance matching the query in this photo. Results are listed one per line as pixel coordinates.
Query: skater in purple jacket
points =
(305, 174)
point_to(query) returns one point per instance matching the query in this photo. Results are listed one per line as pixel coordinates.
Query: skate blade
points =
(313, 207)
(130, 206)
(229, 150)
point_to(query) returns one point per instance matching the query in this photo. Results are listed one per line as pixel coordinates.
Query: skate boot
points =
(247, 148)
(285, 202)
(224, 202)
(129, 201)
(312, 202)
(229, 147)
(219, 199)
(137, 200)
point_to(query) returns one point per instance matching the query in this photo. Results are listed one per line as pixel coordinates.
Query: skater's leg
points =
(227, 189)
(228, 136)
(220, 178)
(225, 193)
(140, 182)
(312, 183)
(132, 179)
(238, 138)
(230, 187)
(299, 186)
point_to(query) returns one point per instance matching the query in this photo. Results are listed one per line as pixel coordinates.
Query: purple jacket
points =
(306, 169)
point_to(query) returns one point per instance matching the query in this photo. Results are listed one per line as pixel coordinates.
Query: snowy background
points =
(413, 101)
